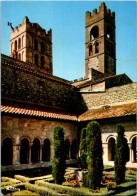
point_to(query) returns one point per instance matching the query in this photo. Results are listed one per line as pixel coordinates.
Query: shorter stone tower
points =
(100, 42)
(30, 43)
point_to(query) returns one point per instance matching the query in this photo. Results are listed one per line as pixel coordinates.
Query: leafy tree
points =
(120, 156)
(94, 154)
(59, 164)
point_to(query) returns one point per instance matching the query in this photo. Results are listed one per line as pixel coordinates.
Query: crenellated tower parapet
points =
(31, 43)
(100, 41)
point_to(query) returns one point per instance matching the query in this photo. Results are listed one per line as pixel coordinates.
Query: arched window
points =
(42, 47)
(23, 56)
(126, 150)
(7, 152)
(111, 149)
(35, 151)
(24, 151)
(109, 33)
(94, 33)
(36, 44)
(134, 140)
(90, 50)
(67, 146)
(46, 150)
(42, 61)
(19, 56)
(36, 59)
(22, 40)
(96, 48)
(16, 45)
(74, 149)
(19, 43)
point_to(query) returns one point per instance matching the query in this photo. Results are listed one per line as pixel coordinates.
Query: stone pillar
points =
(40, 157)
(30, 145)
(105, 152)
(51, 152)
(130, 152)
(16, 154)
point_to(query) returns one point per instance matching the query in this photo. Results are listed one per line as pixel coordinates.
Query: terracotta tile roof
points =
(37, 112)
(79, 83)
(109, 112)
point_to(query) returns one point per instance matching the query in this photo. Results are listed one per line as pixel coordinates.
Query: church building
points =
(34, 101)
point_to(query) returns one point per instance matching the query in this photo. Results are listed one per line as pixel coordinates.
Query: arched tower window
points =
(42, 47)
(22, 55)
(67, 146)
(111, 149)
(19, 56)
(94, 33)
(109, 33)
(90, 50)
(24, 151)
(22, 40)
(36, 59)
(16, 45)
(46, 150)
(36, 44)
(42, 61)
(96, 48)
(35, 150)
(6, 152)
(19, 43)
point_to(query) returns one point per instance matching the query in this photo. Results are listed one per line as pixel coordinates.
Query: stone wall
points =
(112, 96)
(21, 85)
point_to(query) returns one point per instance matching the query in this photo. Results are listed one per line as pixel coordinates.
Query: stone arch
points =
(67, 147)
(74, 149)
(134, 144)
(130, 139)
(35, 150)
(24, 151)
(46, 150)
(111, 149)
(94, 33)
(7, 146)
(110, 137)
(109, 33)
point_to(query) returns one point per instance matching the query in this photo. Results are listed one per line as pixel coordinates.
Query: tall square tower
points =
(30, 43)
(100, 41)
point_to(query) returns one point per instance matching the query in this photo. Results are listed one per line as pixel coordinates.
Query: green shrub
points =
(40, 190)
(62, 189)
(120, 157)
(94, 155)
(22, 178)
(59, 164)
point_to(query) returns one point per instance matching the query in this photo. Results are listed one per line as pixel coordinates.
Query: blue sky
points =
(67, 21)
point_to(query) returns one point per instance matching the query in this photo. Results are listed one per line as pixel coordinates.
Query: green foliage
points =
(59, 164)
(120, 159)
(40, 190)
(94, 155)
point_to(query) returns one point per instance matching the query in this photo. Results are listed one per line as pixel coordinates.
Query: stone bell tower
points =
(100, 41)
(32, 44)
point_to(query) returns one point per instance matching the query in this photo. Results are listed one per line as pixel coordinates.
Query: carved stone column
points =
(16, 154)
(130, 152)
(40, 157)
(30, 145)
